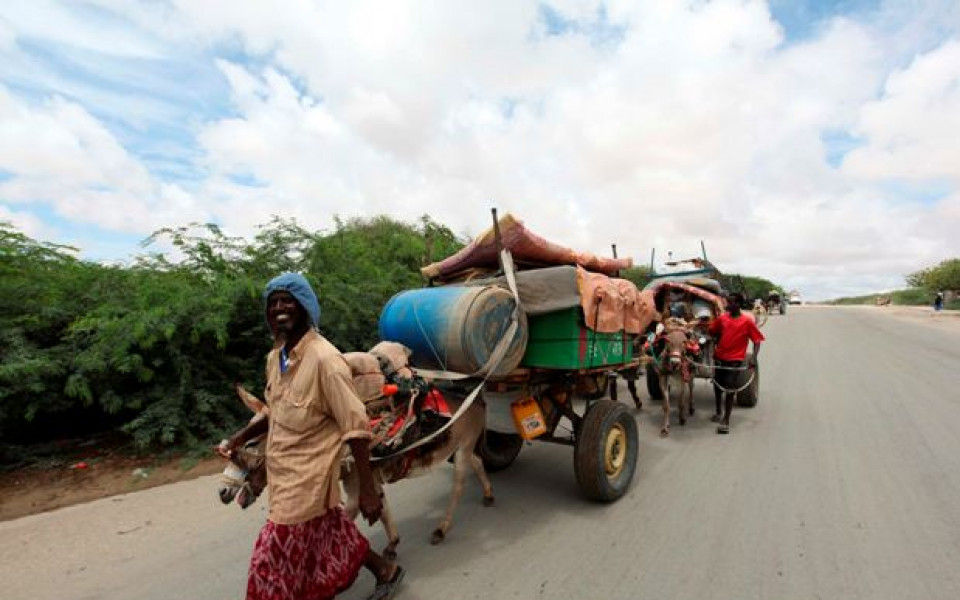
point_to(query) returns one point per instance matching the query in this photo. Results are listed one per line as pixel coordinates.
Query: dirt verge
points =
(37, 489)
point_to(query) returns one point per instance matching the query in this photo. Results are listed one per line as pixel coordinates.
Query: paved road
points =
(843, 483)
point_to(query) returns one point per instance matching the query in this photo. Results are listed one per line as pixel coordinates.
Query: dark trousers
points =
(727, 378)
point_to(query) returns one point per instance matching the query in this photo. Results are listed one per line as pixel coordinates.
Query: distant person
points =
(309, 548)
(733, 331)
(938, 302)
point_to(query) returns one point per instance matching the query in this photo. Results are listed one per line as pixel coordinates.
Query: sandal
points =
(386, 590)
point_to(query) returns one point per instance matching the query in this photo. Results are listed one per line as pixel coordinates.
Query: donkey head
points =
(245, 475)
(676, 336)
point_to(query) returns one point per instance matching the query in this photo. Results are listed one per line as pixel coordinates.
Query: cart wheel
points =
(498, 450)
(653, 383)
(605, 454)
(749, 397)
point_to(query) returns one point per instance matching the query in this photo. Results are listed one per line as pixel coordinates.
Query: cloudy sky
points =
(813, 143)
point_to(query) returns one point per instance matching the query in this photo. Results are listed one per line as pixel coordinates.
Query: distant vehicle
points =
(775, 303)
(794, 298)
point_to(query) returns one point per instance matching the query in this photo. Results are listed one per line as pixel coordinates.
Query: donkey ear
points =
(252, 402)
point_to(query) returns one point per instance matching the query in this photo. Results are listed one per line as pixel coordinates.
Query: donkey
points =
(245, 477)
(458, 444)
(674, 370)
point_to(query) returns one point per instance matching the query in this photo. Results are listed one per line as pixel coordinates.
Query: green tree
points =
(362, 264)
(639, 275)
(944, 276)
(42, 289)
(152, 349)
(753, 287)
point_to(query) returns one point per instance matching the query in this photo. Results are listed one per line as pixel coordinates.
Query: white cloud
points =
(58, 154)
(912, 131)
(687, 122)
(8, 36)
(27, 223)
(77, 25)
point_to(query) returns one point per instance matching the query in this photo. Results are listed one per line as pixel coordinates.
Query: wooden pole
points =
(496, 236)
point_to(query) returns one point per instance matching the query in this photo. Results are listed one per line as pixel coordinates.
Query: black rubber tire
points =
(498, 450)
(749, 397)
(604, 419)
(653, 383)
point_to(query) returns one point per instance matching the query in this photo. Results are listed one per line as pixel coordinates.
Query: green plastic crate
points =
(560, 340)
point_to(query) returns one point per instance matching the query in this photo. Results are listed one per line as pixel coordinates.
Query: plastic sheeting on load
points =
(525, 246)
(714, 299)
(705, 283)
(543, 290)
(616, 304)
(611, 304)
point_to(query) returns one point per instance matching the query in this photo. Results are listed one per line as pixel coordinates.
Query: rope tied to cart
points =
(753, 375)
(739, 389)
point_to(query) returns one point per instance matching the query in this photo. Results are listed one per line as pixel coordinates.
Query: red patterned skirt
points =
(314, 560)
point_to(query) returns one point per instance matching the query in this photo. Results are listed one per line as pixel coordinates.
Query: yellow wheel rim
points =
(615, 450)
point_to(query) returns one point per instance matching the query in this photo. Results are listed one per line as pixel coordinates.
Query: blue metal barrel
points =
(454, 328)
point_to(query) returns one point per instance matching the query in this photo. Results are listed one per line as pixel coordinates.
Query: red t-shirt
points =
(734, 332)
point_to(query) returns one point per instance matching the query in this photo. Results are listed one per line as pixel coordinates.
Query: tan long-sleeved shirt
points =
(314, 409)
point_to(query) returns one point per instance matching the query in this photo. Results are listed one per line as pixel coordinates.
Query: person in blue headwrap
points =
(309, 548)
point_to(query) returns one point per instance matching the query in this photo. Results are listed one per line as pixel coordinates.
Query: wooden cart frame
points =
(603, 432)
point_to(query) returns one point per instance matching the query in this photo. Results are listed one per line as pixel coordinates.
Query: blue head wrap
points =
(300, 289)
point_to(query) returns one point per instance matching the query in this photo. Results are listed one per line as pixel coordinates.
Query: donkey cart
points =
(697, 303)
(571, 408)
(544, 333)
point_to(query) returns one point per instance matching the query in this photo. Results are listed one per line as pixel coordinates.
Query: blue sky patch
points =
(803, 19)
(246, 180)
(924, 193)
(154, 107)
(839, 143)
(94, 242)
(599, 30)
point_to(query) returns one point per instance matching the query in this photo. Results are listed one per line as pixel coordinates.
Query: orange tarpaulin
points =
(525, 246)
(611, 304)
(714, 299)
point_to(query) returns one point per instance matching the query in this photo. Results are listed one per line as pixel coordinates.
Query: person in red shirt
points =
(733, 330)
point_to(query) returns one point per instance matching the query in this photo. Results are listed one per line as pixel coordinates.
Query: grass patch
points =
(189, 462)
(906, 297)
